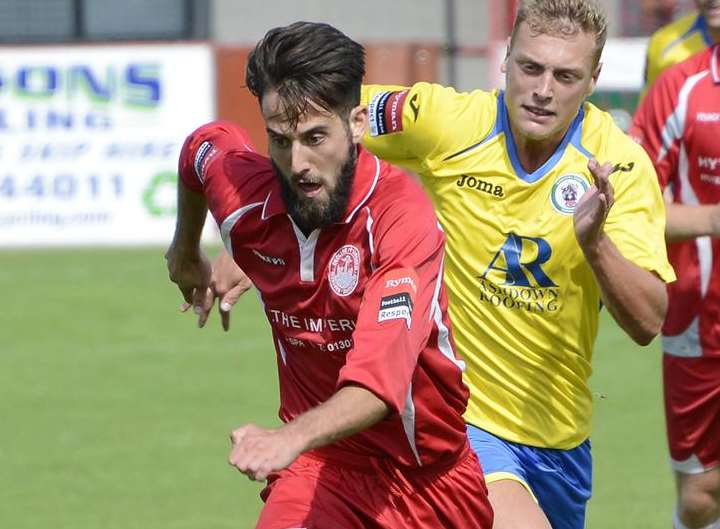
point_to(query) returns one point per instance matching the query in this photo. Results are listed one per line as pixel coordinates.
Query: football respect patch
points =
(385, 112)
(398, 296)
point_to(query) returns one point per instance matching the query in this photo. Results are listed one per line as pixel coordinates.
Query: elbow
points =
(645, 336)
(646, 331)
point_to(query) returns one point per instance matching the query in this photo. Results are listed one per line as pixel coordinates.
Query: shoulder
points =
(669, 45)
(372, 94)
(223, 134)
(399, 196)
(221, 154)
(603, 133)
(596, 120)
(447, 101)
(678, 81)
(670, 33)
(419, 125)
(213, 140)
(598, 130)
(425, 102)
(450, 121)
(401, 218)
(608, 142)
(697, 63)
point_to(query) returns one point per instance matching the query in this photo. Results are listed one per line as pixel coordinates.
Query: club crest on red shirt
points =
(344, 270)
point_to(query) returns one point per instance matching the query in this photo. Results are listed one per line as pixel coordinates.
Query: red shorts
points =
(692, 411)
(319, 493)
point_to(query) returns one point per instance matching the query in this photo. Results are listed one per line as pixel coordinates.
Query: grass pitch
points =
(116, 409)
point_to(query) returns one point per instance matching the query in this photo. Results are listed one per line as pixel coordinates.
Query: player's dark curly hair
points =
(307, 62)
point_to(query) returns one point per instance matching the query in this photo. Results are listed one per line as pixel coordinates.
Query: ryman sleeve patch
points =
(203, 155)
(398, 296)
(385, 112)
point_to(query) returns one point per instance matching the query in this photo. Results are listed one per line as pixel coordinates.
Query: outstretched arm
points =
(635, 297)
(201, 174)
(188, 267)
(688, 222)
(228, 283)
(257, 451)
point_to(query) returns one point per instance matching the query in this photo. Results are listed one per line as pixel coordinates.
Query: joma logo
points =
(480, 185)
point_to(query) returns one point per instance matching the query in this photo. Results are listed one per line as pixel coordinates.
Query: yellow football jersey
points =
(523, 300)
(674, 43)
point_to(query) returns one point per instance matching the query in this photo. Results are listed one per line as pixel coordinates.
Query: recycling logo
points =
(159, 197)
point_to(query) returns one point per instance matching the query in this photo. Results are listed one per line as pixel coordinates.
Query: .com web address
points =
(55, 219)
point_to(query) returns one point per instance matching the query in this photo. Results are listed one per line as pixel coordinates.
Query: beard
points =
(310, 214)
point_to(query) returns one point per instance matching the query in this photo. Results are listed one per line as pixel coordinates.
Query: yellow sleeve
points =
(636, 222)
(417, 127)
(653, 65)
(670, 45)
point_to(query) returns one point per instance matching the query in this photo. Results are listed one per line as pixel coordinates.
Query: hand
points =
(256, 452)
(228, 283)
(594, 206)
(191, 272)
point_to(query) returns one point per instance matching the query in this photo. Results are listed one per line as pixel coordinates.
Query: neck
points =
(713, 32)
(714, 35)
(533, 153)
(304, 227)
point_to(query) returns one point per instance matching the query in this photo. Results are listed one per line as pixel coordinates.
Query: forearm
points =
(191, 213)
(688, 222)
(635, 297)
(352, 409)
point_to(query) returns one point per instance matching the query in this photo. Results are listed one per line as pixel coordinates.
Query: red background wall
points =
(401, 64)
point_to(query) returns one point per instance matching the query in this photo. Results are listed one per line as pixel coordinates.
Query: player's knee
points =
(698, 508)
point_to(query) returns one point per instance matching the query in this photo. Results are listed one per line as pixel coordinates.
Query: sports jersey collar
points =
(701, 25)
(367, 172)
(572, 136)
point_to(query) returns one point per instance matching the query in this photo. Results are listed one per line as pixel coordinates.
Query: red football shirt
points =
(361, 302)
(678, 123)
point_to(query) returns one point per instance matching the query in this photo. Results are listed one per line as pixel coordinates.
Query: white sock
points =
(677, 523)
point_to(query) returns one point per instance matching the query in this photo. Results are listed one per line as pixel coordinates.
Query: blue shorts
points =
(561, 480)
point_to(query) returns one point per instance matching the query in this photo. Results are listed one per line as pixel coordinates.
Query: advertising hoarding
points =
(90, 137)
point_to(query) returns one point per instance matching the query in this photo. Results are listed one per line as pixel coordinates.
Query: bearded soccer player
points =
(678, 123)
(347, 256)
(679, 40)
(550, 211)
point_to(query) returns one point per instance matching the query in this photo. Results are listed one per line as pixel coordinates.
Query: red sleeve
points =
(659, 122)
(219, 161)
(202, 147)
(394, 322)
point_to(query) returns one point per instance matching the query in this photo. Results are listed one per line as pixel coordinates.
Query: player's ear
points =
(503, 65)
(595, 76)
(358, 121)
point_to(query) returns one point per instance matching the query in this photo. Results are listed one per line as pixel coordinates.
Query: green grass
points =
(115, 408)
(633, 483)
